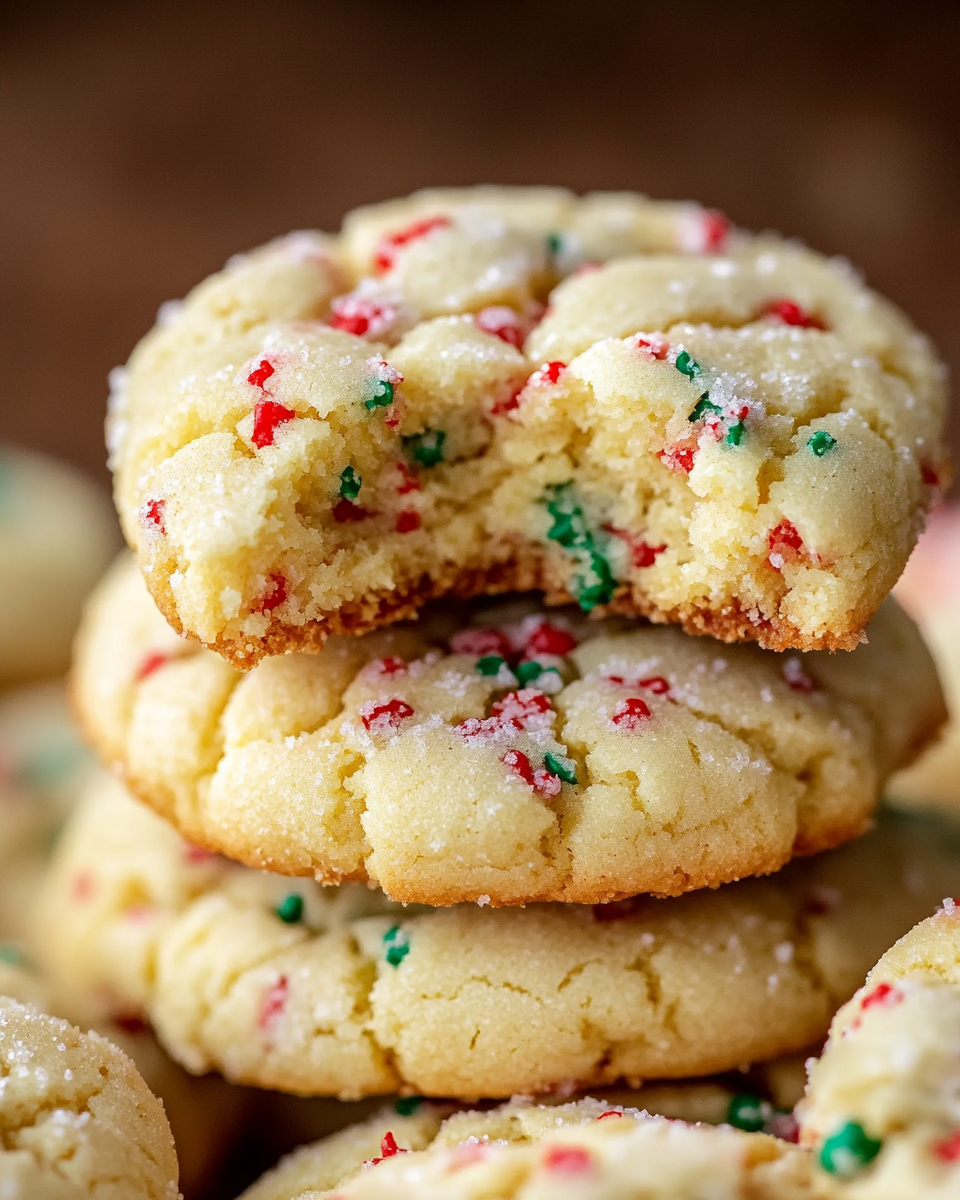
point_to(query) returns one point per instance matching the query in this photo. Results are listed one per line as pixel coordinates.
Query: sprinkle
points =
(407, 521)
(396, 944)
(426, 448)
(704, 406)
(507, 403)
(848, 1151)
(884, 995)
(551, 639)
(797, 678)
(83, 886)
(384, 717)
(527, 672)
(525, 706)
(151, 662)
(267, 416)
(274, 1002)
(929, 475)
(949, 906)
(152, 513)
(703, 231)
(630, 714)
(642, 554)
(748, 1112)
(821, 442)
(611, 1112)
(546, 373)
(486, 727)
(792, 314)
(490, 664)
(652, 345)
(687, 365)
(567, 1160)
(678, 458)
(11, 955)
(290, 909)
(554, 244)
(408, 481)
(382, 396)
(595, 584)
(735, 434)
(783, 1125)
(465, 1154)
(275, 594)
(392, 665)
(480, 641)
(546, 785)
(346, 512)
(501, 322)
(564, 768)
(350, 483)
(197, 854)
(786, 545)
(385, 255)
(406, 1106)
(518, 762)
(361, 316)
(948, 1150)
(388, 1149)
(261, 373)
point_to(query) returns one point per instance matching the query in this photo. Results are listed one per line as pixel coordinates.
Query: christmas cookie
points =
(589, 1148)
(731, 434)
(881, 1109)
(527, 755)
(76, 1119)
(337, 991)
(57, 534)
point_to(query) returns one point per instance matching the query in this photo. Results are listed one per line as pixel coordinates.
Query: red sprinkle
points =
(151, 662)
(548, 372)
(656, 684)
(484, 727)
(948, 1150)
(551, 639)
(611, 1112)
(261, 373)
(630, 714)
(792, 314)
(355, 315)
(481, 642)
(521, 706)
(567, 1160)
(152, 513)
(547, 785)
(678, 458)
(388, 1149)
(715, 227)
(785, 543)
(642, 554)
(654, 345)
(394, 665)
(518, 762)
(266, 417)
(274, 1002)
(384, 717)
(275, 594)
(929, 475)
(408, 481)
(83, 886)
(197, 854)
(797, 678)
(884, 994)
(501, 322)
(386, 252)
(507, 404)
(408, 521)
(346, 512)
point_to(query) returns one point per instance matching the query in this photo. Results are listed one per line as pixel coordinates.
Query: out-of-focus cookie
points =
(77, 1121)
(505, 755)
(337, 991)
(57, 534)
(727, 433)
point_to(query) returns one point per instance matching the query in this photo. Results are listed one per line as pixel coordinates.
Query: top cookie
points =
(727, 433)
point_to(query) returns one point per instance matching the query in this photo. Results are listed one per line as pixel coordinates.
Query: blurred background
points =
(143, 143)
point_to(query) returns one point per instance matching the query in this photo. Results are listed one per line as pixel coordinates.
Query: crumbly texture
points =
(928, 590)
(76, 1119)
(588, 1150)
(505, 755)
(335, 991)
(892, 1065)
(57, 534)
(727, 433)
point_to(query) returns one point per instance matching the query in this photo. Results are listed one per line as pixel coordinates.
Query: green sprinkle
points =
(350, 483)
(849, 1150)
(11, 954)
(490, 664)
(426, 448)
(748, 1112)
(396, 942)
(406, 1106)
(821, 442)
(290, 909)
(382, 395)
(527, 672)
(687, 365)
(702, 407)
(595, 583)
(48, 766)
(598, 585)
(554, 244)
(562, 767)
(735, 434)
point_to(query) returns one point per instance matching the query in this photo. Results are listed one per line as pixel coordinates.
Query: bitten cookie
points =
(882, 1109)
(57, 534)
(527, 1151)
(742, 438)
(337, 991)
(76, 1120)
(519, 757)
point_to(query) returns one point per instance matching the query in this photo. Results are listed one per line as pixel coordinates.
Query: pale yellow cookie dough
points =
(287, 985)
(587, 1150)
(640, 760)
(729, 433)
(57, 534)
(76, 1119)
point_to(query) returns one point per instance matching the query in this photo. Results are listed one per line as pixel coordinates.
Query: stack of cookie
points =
(508, 594)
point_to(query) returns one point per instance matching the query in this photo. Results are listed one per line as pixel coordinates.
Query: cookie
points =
(57, 535)
(338, 991)
(742, 439)
(521, 757)
(76, 1118)
(587, 1149)
(928, 590)
(881, 1108)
